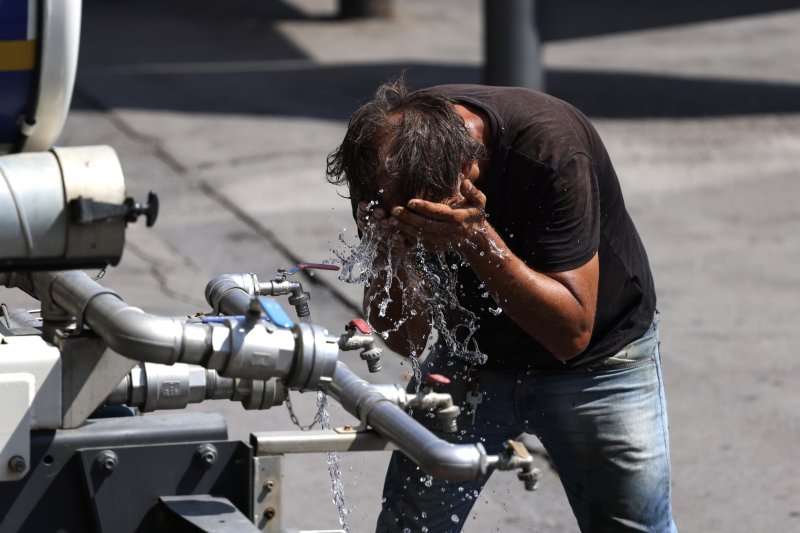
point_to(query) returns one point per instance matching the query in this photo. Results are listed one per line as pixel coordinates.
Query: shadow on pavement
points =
(333, 92)
(208, 56)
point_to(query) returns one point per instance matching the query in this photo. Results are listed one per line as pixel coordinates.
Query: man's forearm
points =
(550, 308)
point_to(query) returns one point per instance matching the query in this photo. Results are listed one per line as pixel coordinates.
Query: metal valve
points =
(358, 334)
(517, 456)
(299, 298)
(282, 273)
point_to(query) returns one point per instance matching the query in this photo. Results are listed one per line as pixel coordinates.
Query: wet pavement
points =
(228, 109)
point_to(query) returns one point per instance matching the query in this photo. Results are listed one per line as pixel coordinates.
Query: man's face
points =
(388, 193)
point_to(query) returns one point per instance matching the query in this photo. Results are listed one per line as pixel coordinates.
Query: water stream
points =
(334, 466)
(432, 279)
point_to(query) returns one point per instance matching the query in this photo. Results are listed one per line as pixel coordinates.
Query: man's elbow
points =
(573, 345)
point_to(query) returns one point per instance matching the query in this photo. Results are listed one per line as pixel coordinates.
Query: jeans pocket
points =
(637, 353)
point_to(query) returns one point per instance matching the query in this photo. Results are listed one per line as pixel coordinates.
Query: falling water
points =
(433, 279)
(334, 465)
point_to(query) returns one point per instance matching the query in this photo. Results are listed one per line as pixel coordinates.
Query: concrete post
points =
(366, 8)
(511, 44)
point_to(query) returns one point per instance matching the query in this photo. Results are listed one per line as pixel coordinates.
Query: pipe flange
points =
(316, 354)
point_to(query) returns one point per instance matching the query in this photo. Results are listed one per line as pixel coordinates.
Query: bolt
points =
(106, 461)
(206, 454)
(269, 513)
(17, 464)
(269, 484)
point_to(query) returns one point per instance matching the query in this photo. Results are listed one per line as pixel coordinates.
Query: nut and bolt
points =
(17, 464)
(269, 513)
(269, 484)
(106, 461)
(206, 454)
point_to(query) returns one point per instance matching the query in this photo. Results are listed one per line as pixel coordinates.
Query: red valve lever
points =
(306, 266)
(318, 266)
(361, 325)
(437, 379)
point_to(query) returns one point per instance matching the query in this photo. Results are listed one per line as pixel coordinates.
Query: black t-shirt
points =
(553, 196)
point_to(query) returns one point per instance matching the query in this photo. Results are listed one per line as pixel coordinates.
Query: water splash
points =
(431, 277)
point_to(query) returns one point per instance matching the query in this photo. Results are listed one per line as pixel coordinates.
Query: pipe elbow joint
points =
(145, 337)
(461, 462)
(218, 287)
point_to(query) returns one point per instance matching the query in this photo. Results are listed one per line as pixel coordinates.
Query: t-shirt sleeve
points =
(565, 232)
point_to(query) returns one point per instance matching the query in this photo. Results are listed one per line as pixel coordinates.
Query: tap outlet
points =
(358, 336)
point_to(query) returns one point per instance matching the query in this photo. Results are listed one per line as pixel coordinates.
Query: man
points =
(511, 193)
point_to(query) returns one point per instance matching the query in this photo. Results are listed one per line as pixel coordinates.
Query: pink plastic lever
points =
(318, 266)
(361, 325)
(437, 379)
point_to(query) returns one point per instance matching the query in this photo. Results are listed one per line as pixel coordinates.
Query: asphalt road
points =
(228, 110)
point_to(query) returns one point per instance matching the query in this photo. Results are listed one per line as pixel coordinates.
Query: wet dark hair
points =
(416, 138)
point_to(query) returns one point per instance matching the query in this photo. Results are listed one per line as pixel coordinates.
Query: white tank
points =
(38, 60)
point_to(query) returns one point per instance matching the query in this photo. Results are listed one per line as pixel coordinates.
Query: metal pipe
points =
(127, 330)
(435, 456)
(230, 294)
(302, 357)
(151, 387)
(318, 441)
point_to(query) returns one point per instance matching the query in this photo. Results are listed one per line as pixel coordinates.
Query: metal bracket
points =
(86, 210)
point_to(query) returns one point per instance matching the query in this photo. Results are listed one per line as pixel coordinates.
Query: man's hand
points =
(440, 226)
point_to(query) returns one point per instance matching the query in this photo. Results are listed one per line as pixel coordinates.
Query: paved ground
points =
(228, 109)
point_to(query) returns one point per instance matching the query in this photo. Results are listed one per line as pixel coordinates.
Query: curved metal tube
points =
(230, 294)
(302, 357)
(127, 330)
(437, 457)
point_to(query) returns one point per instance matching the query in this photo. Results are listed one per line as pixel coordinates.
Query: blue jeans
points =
(604, 428)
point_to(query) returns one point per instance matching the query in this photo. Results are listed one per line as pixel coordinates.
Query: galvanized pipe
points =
(151, 387)
(302, 357)
(127, 330)
(435, 456)
(230, 294)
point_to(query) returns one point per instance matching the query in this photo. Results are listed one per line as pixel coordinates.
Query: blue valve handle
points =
(275, 312)
(272, 309)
